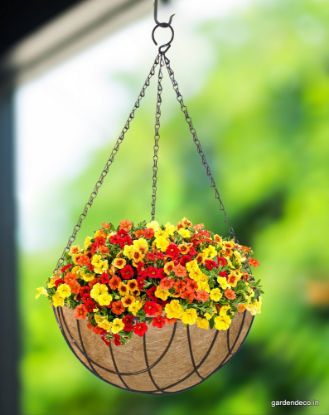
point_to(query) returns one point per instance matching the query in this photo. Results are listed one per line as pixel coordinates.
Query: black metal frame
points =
(69, 338)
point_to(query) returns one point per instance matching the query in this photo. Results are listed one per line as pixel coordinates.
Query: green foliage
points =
(262, 115)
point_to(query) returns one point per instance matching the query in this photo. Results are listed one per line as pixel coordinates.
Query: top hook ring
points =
(163, 48)
(161, 24)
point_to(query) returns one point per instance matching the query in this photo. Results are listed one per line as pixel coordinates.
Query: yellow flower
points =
(224, 310)
(222, 322)
(100, 265)
(100, 293)
(184, 233)
(174, 309)
(162, 294)
(104, 299)
(203, 285)
(117, 325)
(169, 267)
(153, 225)
(123, 289)
(87, 242)
(41, 291)
(127, 251)
(127, 300)
(202, 323)
(86, 277)
(51, 282)
(142, 245)
(74, 249)
(64, 290)
(215, 294)
(119, 262)
(135, 307)
(170, 229)
(209, 315)
(255, 307)
(57, 300)
(103, 322)
(189, 316)
(222, 281)
(209, 252)
(218, 239)
(161, 243)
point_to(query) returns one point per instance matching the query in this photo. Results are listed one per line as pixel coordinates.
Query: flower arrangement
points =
(129, 277)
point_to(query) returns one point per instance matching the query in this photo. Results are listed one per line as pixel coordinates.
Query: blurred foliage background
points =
(262, 113)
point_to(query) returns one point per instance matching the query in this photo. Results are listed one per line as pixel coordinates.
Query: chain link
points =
(156, 139)
(108, 164)
(199, 147)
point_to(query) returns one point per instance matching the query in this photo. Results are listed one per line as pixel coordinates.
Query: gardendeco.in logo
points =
(294, 403)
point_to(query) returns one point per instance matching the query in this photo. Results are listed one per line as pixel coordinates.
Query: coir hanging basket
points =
(167, 360)
(175, 356)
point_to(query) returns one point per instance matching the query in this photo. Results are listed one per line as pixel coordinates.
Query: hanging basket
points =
(192, 322)
(167, 360)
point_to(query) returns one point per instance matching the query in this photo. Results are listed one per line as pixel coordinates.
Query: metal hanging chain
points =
(156, 139)
(199, 146)
(108, 164)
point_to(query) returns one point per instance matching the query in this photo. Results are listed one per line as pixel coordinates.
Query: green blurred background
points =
(261, 108)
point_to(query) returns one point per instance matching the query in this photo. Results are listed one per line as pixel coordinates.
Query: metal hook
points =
(161, 24)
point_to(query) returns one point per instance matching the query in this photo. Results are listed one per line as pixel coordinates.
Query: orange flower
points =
(185, 248)
(180, 271)
(229, 294)
(74, 285)
(179, 286)
(117, 307)
(125, 225)
(106, 225)
(241, 308)
(198, 227)
(80, 312)
(202, 295)
(166, 283)
(103, 249)
(253, 262)
(119, 263)
(114, 282)
(82, 260)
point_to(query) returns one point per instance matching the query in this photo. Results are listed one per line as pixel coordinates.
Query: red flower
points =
(128, 321)
(210, 264)
(140, 282)
(153, 272)
(127, 272)
(185, 259)
(140, 329)
(84, 290)
(151, 256)
(58, 282)
(150, 293)
(158, 322)
(172, 251)
(222, 262)
(89, 304)
(66, 267)
(107, 342)
(104, 278)
(117, 339)
(152, 308)
(117, 307)
(223, 274)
